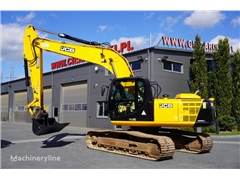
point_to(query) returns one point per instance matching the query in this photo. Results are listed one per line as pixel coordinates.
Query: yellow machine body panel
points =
(177, 112)
(181, 111)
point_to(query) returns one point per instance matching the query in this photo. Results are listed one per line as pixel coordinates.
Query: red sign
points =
(177, 42)
(123, 45)
(66, 62)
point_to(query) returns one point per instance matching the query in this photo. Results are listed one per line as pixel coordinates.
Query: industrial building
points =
(72, 90)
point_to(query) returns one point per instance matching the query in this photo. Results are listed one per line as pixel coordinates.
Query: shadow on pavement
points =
(56, 140)
(5, 143)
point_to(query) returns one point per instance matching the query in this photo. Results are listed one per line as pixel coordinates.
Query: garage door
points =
(4, 107)
(47, 100)
(19, 110)
(74, 104)
(20, 101)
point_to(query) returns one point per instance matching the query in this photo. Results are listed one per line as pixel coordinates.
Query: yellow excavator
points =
(130, 102)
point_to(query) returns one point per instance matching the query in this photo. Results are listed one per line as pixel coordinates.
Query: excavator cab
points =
(130, 98)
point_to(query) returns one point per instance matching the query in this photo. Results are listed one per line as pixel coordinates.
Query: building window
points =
(84, 107)
(107, 72)
(4, 108)
(136, 65)
(65, 107)
(177, 67)
(78, 107)
(167, 65)
(101, 109)
(74, 107)
(173, 66)
(211, 65)
(71, 107)
(20, 108)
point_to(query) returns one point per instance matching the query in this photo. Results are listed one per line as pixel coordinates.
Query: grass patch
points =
(226, 133)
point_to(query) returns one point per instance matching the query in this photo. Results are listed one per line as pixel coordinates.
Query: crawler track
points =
(131, 143)
(190, 142)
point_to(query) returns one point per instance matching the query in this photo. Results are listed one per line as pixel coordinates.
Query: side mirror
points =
(102, 91)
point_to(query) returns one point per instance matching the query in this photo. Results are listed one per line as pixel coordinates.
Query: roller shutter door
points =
(19, 110)
(47, 100)
(20, 101)
(4, 107)
(74, 105)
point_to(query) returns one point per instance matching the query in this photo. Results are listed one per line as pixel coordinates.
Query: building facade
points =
(73, 94)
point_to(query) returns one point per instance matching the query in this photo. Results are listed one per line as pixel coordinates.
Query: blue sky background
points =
(113, 27)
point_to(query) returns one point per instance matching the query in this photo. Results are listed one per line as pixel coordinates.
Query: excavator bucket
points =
(46, 126)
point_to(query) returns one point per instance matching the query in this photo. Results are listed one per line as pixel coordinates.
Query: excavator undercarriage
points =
(131, 143)
(189, 142)
(159, 145)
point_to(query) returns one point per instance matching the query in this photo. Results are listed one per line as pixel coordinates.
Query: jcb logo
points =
(67, 49)
(166, 105)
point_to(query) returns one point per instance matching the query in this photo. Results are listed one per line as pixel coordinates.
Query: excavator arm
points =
(93, 52)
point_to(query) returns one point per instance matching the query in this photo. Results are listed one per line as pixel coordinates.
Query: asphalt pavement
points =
(21, 149)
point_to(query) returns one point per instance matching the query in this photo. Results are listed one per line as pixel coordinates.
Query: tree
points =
(223, 87)
(227, 123)
(198, 68)
(235, 71)
(212, 81)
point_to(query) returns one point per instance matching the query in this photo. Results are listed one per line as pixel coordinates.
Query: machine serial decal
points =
(67, 49)
(166, 105)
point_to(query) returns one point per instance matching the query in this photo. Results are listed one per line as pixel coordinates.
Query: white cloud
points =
(236, 22)
(12, 41)
(235, 43)
(53, 15)
(139, 42)
(169, 22)
(204, 19)
(148, 16)
(102, 28)
(25, 19)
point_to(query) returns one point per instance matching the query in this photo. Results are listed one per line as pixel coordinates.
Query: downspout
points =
(52, 84)
(149, 64)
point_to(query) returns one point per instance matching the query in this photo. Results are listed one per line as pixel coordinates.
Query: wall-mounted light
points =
(163, 59)
(96, 69)
(140, 58)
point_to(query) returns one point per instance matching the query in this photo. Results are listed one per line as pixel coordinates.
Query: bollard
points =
(217, 127)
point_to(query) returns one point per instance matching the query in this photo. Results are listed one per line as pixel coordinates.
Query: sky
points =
(142, 27)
